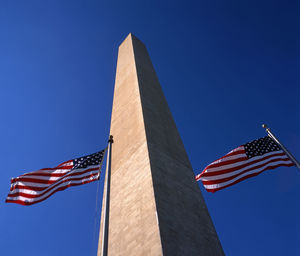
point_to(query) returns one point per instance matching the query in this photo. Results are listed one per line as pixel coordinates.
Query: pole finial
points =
(264, 126)
(111, 139)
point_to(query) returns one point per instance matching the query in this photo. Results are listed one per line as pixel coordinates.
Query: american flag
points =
(34, 187)
(243, 162)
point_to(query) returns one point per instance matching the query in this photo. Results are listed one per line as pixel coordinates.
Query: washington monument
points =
(155, 206)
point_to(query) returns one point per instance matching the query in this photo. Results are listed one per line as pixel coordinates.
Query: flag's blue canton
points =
(85, 161)
(260, 147)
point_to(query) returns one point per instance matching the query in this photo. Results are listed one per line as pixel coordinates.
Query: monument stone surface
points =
(156, 206)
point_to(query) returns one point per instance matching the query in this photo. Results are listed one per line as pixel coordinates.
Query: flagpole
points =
(106, 209)
(291, 157)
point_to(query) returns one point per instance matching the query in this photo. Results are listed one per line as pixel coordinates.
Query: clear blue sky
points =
(225, 68)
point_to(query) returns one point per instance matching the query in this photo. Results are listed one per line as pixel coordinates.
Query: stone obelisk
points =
(156, 206)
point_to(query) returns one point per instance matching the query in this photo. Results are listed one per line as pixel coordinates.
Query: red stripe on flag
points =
(27, 195)
(248, 176)
(216, 181)
(37, 201)
(34, 180)
(248, 162)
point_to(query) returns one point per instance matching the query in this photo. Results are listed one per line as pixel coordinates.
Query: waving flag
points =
(34, 187)
(243, 162)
